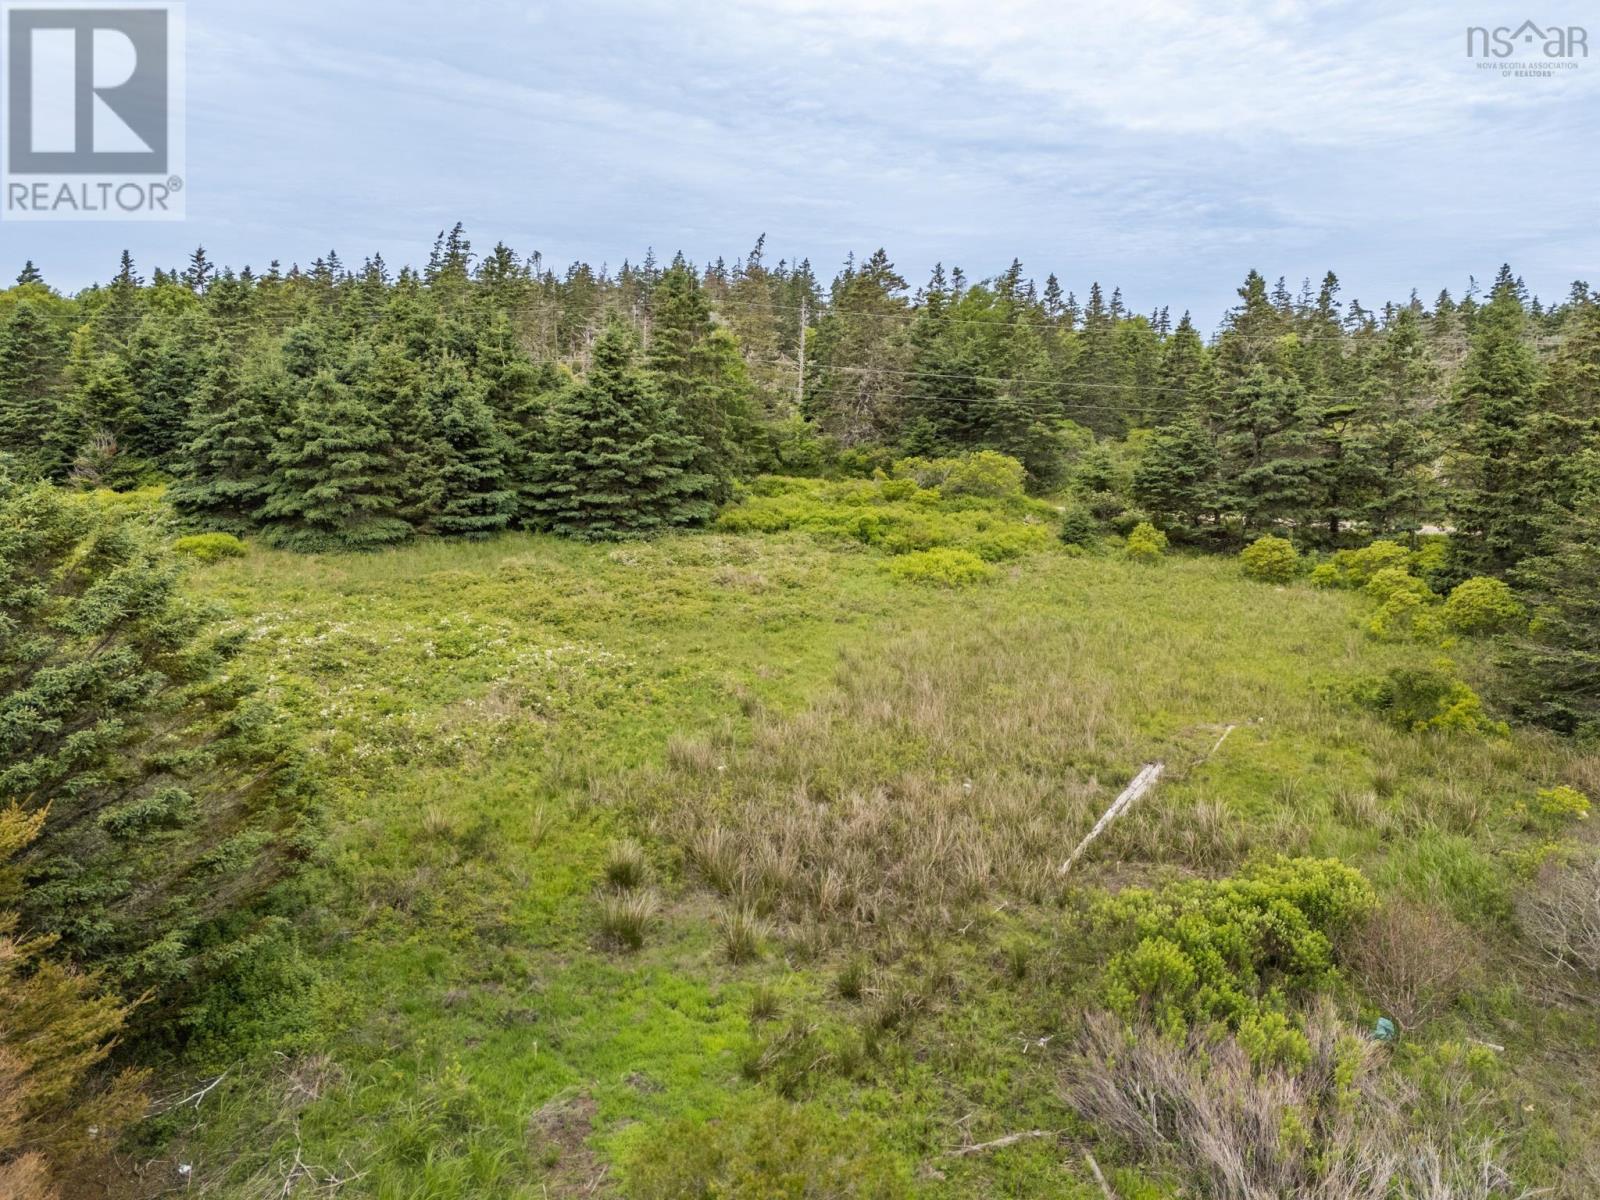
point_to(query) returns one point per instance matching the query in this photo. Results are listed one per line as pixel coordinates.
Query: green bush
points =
(1270, 559)
(1145, 544)
(1231, 950)
(1359, 566)
(1427, 698)
(1326, 575)
(209, 547)
(1129, 519)
(772, 1149)
(986, 474)
(1561, 804)
(1404, 616)
(1482, 605)
(896, 515)
(1392, 581)
(943, 567)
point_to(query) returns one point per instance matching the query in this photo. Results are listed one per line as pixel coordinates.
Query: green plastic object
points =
(1385, 1030)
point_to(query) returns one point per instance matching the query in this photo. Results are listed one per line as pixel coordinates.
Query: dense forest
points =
(154, 813)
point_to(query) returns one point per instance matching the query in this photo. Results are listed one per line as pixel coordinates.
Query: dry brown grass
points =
(928, 783)
(1329, 1131)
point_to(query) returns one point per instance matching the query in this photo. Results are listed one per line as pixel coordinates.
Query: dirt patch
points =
(558, 1136)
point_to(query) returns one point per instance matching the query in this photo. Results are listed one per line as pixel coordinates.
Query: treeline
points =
(354, 407)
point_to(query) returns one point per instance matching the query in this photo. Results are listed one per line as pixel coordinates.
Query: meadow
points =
(728, 864)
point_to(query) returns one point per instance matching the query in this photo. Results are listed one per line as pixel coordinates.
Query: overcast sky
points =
(1158, 145)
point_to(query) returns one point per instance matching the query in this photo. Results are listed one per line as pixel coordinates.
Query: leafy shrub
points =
(1270, 559)
(986, 474)
(209, 547)
(1126, 520)
(1078, 527)
(1357, 567)
(1404, 616)
(943, 567)
(1481, 605)
(1562, 804)
(1230, 950)
(894, 515)
(1431, 560)
(770, 1149)
(1326, 575)
(1145, 544)
(1394, 581)
(1427, 698)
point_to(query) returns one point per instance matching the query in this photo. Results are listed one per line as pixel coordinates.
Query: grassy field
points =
(740, 848)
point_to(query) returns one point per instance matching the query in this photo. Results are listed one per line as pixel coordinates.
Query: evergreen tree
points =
(1267, 475)
(334, 487)
(167, 807)
(1177, 477)
(225, 475)
(33, 351)
(29, 274)
(474, 497)
(1495, 502)
(614, 463)
(1556, 663)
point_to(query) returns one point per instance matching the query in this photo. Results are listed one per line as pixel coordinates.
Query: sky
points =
(1162, 146)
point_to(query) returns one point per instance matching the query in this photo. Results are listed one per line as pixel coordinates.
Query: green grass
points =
(849, 795)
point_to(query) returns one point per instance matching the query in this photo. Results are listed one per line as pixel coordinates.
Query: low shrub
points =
(1396, 581)
(1145, 544)
(1560, 914)
(209, 547)
(1270, 559)
(1326, 575)
(1482, 605)
(1357, 567)
(1405, 615)
(985, 473)
(1561, 804)
(1427, 698)
(1128, 520)
(942, 568)
(1414, 960)
(1231, 950)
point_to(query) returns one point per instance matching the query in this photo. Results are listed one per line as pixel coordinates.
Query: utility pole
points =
(800, 385)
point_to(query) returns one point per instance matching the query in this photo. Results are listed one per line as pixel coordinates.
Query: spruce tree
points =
(474, 499)
(1177, 478)
(225, 476)
(334, 486)
(699, 371)
(1555, 664)
(613, 463)
(1496, 495)
(33, 351)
